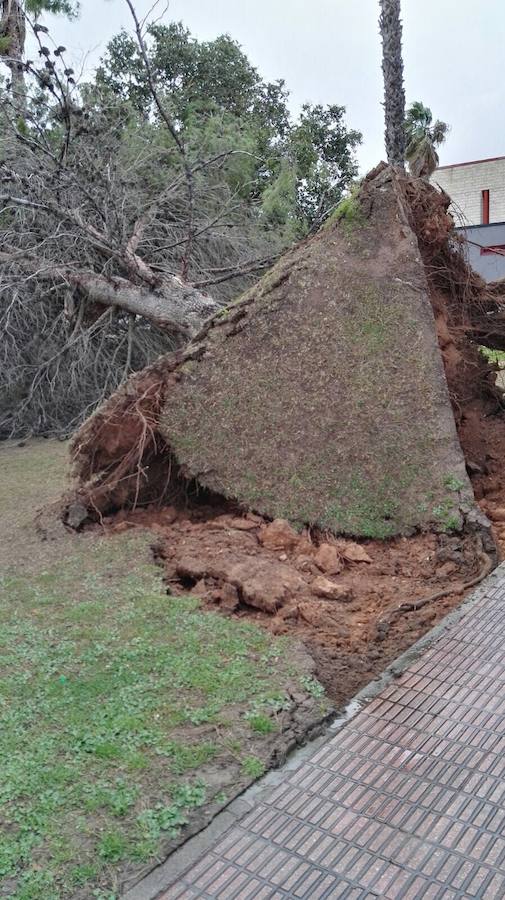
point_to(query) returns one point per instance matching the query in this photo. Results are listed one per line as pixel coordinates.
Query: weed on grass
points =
(253, 767)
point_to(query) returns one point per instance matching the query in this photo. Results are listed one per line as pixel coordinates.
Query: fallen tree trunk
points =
(173, 305)
(169, 303)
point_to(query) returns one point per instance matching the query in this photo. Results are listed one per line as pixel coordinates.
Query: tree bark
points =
(394, 92)
(13, 28)
(172, 305)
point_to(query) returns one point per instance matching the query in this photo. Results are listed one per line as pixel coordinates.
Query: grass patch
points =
(253, 767)
(363, 510)
(453, 483)
(113, 698)
(447, 516)
(260, 724)
(493, 356)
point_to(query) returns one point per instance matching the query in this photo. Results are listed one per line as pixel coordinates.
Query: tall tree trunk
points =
(392, 70)
(13, 33)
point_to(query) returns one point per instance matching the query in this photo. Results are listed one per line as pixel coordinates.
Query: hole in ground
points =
(224, 557)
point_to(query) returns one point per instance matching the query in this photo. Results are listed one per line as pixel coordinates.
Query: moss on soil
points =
(348, 213)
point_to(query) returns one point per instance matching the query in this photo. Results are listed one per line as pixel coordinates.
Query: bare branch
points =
(174, 134)
(255, 265)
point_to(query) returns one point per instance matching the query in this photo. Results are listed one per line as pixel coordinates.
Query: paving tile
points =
(327, 886)
(495, 887)
(218, 880)
(235, 887)
(250, 891)
(308, 883)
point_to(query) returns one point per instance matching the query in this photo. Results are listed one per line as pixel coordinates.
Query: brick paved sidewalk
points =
(406, 800)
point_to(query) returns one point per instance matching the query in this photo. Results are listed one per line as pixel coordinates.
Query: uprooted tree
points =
(133, 206)
(320, 396)
(332, 393)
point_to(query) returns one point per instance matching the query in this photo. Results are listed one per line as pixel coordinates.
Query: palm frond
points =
(439, 132)
(422, 139)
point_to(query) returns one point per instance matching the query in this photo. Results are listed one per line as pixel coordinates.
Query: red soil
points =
(314, 586)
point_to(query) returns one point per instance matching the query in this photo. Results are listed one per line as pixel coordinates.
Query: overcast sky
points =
(328, 51)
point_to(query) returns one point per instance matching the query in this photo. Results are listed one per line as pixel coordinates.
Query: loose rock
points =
(355, 553)
(498, 514)
(323, 587)
(328, 559)
(279, 535)
(77, 513)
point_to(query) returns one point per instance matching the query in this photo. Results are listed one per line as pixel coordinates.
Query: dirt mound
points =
(320, 397)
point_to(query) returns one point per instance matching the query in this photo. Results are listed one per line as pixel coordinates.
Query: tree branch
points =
(229, 272)
(174, 134)
(174, 305)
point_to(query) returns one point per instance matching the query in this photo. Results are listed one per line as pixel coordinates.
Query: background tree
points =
(301, 168)
(131, 207)
(394, 92)
(323, 151)
(13, 34)
(423, 136)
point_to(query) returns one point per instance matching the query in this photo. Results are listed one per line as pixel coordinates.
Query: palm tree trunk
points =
(392, 70)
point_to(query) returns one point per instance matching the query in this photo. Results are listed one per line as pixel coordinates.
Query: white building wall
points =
(464, 183)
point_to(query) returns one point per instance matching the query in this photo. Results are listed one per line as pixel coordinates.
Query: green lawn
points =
(123, 712)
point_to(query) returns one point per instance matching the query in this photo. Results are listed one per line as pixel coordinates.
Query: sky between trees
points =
(328, 51)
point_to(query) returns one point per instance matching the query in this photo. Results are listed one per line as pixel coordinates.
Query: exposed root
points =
(488, 564)
(475, 310)
(120, 458)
